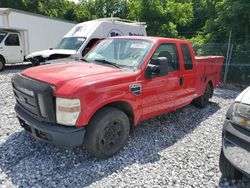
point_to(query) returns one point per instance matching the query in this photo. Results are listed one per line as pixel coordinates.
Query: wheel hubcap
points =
(112, 135)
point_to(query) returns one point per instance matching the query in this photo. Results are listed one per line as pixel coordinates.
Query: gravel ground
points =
(179, 149)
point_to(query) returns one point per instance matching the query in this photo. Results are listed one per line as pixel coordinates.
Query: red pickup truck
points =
(96, 101)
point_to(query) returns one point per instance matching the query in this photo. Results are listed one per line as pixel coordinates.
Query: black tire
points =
(202, 101)
(2, 63)
(227, 169)
(35, 61)
(107, 133)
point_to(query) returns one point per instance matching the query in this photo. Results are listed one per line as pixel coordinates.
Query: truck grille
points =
(35, 98)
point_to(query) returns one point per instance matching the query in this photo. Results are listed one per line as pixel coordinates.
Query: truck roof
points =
(151, 38)
(102, 28)
(123, 21)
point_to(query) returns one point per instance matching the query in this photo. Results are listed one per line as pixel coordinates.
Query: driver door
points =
(160, 94)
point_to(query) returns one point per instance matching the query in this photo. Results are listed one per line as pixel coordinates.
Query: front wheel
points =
(107, 133)
(35, 61)
(227, 169)
(2, 64)
(202, 101)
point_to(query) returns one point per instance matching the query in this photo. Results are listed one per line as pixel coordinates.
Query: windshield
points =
(71, 43)
(2, 35)
(121, 52)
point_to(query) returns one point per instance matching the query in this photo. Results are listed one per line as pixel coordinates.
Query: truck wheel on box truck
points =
(121, 82)
(2, 63)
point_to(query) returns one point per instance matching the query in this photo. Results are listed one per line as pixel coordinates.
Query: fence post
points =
(228, 52)
(229, 60)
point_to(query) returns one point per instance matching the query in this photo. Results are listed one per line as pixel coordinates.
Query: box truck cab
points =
(84, 36)
(11, 47)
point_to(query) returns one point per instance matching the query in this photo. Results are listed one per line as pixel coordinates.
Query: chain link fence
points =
(236, 68)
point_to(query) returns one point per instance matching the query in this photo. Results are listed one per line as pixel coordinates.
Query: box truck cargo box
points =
(22, 33)
(84, 36)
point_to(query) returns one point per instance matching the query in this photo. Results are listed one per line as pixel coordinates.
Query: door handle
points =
(21, 51)
(181, 81)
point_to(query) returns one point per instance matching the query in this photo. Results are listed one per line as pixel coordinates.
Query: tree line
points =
(201, 21)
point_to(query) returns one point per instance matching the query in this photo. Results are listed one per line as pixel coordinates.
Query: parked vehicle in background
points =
(22, 33)
(121, 82)
(235, 152)
(84, 36)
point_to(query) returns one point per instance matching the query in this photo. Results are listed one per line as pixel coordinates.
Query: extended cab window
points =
(169, 51)
(187, 57)
(12, 40)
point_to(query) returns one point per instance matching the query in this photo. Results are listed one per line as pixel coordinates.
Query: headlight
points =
(67, 111)
(241, 115)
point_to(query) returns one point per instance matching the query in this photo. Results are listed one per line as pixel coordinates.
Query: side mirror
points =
(157, 68)
(152, 71)
(163, 62)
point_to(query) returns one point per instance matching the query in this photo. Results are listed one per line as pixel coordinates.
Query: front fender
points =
(90, 104)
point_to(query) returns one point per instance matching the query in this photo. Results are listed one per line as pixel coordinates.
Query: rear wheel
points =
(107, 133)
(2, 63)
(227, 169)
(202, 101)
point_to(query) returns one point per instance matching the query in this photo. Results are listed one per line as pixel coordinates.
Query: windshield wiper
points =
(107, 62)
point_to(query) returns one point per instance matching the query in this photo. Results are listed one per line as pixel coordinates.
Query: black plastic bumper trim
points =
(51, 133)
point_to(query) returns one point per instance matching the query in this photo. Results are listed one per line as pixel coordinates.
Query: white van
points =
(81, 38)
(22, 33)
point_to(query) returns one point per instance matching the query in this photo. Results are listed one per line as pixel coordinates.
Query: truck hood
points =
(244, 96)
(47, 53)
(62, 74)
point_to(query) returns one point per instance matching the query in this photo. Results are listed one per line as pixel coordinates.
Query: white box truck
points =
(22, 33)
(81, 38)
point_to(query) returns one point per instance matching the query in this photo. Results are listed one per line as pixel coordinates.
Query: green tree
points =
(18, 4)
(226, 16)
(202, 11)
(54, 8)
(234, 15)
(106, 8)
(161, 16)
